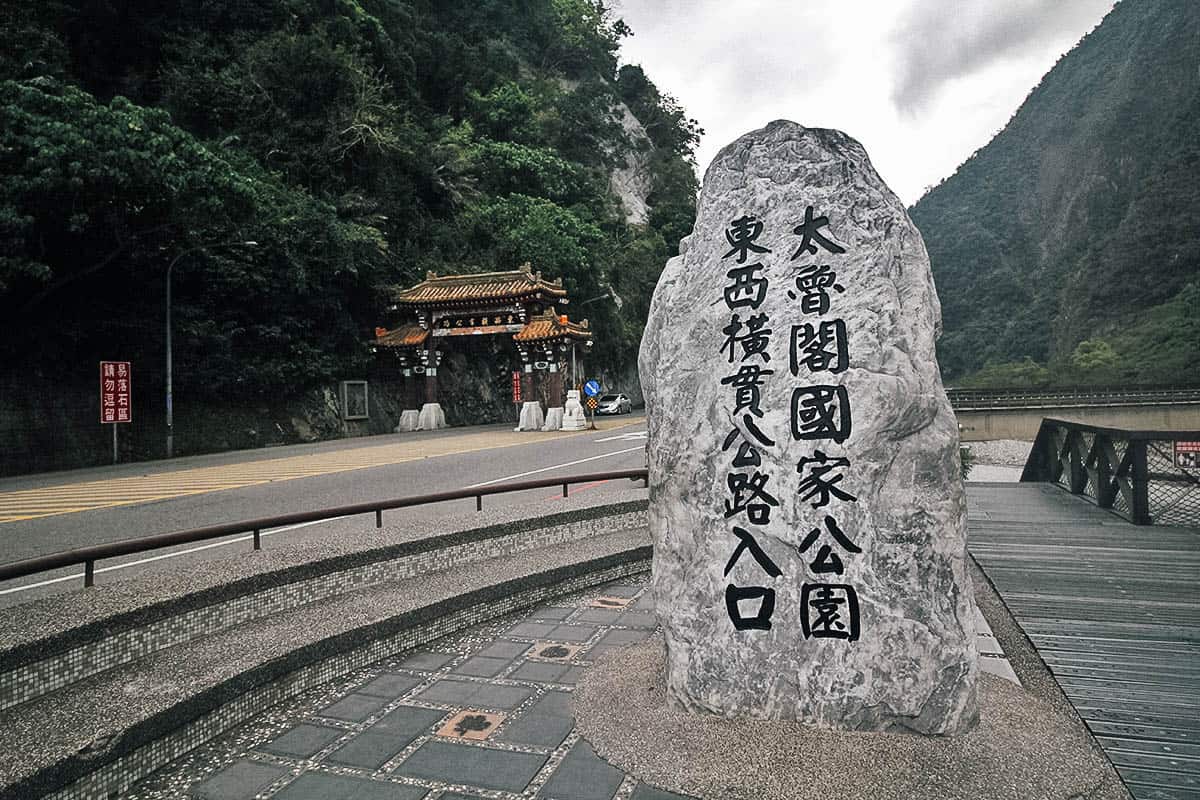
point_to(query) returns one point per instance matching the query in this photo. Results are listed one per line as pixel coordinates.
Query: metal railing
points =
(1063, 397)
(88, 556)
(1140, 475)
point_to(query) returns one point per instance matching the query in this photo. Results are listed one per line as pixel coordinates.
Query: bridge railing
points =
(1148, 477)
(88, 556)
(982, 399)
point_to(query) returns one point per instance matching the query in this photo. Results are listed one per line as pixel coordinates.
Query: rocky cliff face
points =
(632, 181)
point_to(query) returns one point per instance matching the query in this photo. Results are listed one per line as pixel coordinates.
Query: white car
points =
(614, 404)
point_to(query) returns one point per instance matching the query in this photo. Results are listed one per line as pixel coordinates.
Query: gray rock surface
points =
(631, 181)
(895, 523)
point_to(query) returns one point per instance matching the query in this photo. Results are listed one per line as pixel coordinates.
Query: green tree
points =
(123, 184)
(358, 142)
(1013, 374)
(1094, 355)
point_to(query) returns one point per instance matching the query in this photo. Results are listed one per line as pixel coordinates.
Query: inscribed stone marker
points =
(807, 506)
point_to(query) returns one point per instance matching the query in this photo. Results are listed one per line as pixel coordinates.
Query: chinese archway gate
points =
(521, 304)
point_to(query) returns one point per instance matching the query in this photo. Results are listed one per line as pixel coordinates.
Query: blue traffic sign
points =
(591, 388)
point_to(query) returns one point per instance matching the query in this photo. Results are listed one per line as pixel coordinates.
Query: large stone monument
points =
(806, 501)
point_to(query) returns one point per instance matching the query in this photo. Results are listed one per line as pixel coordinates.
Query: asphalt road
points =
(492, 454)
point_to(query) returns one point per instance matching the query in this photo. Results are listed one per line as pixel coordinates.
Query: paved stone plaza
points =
(484, 714)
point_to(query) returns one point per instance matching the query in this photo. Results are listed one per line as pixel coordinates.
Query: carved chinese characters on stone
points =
(817, 412)
(806, 503)
(749, 606)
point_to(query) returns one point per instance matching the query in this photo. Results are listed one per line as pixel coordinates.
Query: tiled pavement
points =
(991, 654)
(484, 714)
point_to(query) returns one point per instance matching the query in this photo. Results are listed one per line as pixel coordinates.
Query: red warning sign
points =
(116, 392)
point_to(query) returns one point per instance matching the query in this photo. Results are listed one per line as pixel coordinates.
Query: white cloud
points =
(940, 41)
(921, 84)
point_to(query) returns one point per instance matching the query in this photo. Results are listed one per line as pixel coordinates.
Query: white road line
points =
(79, 575)
(556, 466)
(626, 437)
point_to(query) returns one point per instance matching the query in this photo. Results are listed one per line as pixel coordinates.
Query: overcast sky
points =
(921, 83)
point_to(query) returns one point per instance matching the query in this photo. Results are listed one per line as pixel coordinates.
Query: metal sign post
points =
(116, 393)
(591, 389)
(591, 404)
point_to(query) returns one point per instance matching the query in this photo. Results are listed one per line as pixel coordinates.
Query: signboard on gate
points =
(1187, 454)
(516, 386)
(116, 392)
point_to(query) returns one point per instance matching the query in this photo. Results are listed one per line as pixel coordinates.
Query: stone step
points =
(52, 643)
(102, 733)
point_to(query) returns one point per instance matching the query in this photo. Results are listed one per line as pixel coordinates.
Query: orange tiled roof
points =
(481, 287)
(552, 326)
(410, 335)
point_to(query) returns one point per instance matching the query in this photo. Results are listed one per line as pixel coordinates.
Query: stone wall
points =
(1023, 423)
(50, 424)
(50, 420)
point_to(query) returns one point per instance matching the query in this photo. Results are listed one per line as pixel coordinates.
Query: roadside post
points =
(516, 392)
(116, 393)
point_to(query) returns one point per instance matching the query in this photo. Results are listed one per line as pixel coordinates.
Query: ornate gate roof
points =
(552, 326)
(520, 302)
(410, 335)
(455, 291)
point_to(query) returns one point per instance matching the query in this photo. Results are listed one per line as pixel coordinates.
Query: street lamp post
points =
(609, 293)
(170, 269)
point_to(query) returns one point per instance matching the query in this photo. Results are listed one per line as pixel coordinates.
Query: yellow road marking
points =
(47, 501)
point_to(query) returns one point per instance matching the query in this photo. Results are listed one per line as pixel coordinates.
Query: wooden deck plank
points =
(1114, 610)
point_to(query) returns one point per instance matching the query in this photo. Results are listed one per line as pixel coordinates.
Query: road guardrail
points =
(1069, 397)
(88, 556)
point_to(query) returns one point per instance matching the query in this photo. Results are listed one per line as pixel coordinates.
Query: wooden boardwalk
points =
(1114, 611)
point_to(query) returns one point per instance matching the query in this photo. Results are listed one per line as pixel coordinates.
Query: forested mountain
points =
(356, 143)
(1068, 249)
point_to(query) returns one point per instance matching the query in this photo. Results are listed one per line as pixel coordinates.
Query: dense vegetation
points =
(1068, 249)
(355, 143)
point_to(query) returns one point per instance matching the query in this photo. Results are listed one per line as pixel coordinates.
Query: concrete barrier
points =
(983, 425)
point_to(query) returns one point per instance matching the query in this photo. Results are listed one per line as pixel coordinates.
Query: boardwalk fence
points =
(1147, 477)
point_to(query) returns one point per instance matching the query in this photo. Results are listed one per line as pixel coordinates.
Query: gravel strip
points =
(44, 617)
(1001, 452)
(1022, 749)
